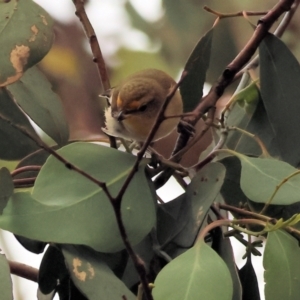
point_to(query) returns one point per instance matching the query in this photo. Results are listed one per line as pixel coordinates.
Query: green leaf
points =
(249, 281)
(13, 144)
(5, 279)
(71, 209)
(34, 94)
(26, 36)
(231, 189)
(191, 88)
(93, 277)
(224, 248)
(36, 247)
(238, 117)
(280, 91)
(200, 195)
(282, 266)
(199, 272)
(261, 127)
(52, 270)
(261, 176)
(248, 95)
(6, 188)
(171, 218)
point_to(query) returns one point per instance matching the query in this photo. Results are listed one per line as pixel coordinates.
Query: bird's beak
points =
(119, 115)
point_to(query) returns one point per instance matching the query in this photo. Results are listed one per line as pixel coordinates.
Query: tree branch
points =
(238, 63)
(23, 271)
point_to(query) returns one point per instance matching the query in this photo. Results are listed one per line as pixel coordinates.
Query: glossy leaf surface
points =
(26, 35)
(192, 87)
(13, 144)
(282, 266)
(261, 176)
(280, 91)
(34, 94)
(200, 194)
(65, 207)
(93, 277)
(197, 273)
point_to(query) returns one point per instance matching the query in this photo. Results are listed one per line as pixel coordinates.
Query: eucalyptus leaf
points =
(231, 189)
(199, 272)
(280, 91)
(249, 281)
(200, 194)
(5, 279)
(281, 262)
(191, 88)
(6, 188)
(260, 126)
(260, 177)
(34, 94)
(93, 277)
(26, 36)
(66, 207)
(171, 218)
(223, 247)
(14, 144)
(52, 270)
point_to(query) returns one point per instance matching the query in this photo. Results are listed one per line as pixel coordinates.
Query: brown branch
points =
(96, 50)
(48, 149)
(138, 263)
(25, 169)
(24, 182)
(160, 118)
(95, 47)
(278, 32)
(237, 64)
(237, 14)
(23, 271)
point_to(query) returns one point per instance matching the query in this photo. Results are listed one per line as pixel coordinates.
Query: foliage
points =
(96, 209)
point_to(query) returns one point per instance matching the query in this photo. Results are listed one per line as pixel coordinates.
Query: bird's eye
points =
(143, 107)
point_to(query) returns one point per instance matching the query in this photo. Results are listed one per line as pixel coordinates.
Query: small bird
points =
(135, 104)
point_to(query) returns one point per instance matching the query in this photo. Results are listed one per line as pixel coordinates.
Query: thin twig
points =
(239, 62)
(96, 50)
(138, 263)
(278, 32)
(95, 47)
(237, 14)
(23, 270)
(25, 169)
(48, 149)
(24, 182)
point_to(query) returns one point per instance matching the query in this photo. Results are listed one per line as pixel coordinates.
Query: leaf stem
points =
(237, 14)
(233, 224)
(25, 169)
(23, 270)
(239, 62)
(277, 189)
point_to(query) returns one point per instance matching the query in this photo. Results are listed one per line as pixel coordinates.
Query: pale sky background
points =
(114, 22)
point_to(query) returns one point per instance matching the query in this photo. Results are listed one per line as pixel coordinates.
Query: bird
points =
(135, 103)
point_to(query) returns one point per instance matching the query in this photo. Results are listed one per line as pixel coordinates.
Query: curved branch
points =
(23, 270)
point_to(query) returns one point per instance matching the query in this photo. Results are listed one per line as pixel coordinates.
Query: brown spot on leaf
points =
(81, 275)
(82, 271)
(44, 20)
(35, 32)
(91, 271)
(18, 58)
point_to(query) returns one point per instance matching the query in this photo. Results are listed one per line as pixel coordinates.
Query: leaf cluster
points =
(94, 211)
